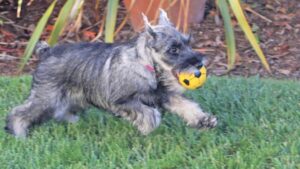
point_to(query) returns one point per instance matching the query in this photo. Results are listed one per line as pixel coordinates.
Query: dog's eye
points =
(174, 50)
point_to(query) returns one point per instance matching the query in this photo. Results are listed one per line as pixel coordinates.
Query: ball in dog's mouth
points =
(192, 77)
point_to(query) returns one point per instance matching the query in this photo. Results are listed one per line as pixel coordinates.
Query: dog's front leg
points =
(190, 112)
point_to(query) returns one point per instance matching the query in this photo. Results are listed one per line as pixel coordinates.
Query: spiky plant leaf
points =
(238, 12)
(36, 35)
(61, 22)
(229, 33)
(111, 18)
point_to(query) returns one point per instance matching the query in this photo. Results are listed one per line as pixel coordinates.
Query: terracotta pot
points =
(175, 10)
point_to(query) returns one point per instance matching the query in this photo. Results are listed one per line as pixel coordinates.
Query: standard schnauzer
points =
(135, 80)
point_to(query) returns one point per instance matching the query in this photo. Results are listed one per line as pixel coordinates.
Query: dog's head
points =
(170, 48)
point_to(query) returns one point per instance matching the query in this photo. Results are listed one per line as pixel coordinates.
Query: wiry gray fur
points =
(116, 77)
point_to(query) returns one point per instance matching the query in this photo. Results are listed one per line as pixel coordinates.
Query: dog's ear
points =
(163, 18)
(148, 27)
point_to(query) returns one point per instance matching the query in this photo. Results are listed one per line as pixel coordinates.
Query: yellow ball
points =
(192, 80)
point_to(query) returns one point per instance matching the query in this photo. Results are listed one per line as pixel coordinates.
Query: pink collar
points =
(150, 68)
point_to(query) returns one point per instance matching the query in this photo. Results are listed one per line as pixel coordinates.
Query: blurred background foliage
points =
(70, 17)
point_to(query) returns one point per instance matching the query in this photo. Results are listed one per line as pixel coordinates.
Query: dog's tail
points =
(41, 48)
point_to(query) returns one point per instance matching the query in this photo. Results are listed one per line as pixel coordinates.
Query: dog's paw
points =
(16, 126)
(208, 121)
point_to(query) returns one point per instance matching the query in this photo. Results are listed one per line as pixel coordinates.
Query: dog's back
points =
(73, 70)
(69, 62)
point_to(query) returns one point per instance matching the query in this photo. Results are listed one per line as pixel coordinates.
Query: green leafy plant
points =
(62, 21)
(229, 35)
(36, 35)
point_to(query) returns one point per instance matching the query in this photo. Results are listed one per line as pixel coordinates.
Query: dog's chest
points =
(170, 82)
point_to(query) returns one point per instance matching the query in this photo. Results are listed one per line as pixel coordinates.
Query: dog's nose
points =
(199, 57)
(199, 66)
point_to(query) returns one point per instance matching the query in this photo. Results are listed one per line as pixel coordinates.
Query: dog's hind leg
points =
(144, 117)
(63, 112)
(23, 116)
(66, 116)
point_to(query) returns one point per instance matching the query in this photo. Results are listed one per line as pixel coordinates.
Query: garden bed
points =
(280, 39)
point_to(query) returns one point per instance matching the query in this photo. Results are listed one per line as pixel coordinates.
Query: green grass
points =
(259, 127)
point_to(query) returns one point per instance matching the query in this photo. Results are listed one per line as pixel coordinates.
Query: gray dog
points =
(134, 80)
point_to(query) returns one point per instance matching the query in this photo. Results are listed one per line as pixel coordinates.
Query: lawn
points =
(259, 127)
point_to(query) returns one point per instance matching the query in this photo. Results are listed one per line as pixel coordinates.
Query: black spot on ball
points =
(187, 82)
(197, 74)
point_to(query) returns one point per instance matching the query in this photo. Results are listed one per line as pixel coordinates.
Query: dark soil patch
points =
(279, 39)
